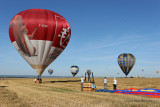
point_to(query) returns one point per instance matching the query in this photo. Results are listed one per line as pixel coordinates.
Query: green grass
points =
(62, 90)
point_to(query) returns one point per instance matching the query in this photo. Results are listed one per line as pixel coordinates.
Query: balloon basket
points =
(38, 81)
(87, 87)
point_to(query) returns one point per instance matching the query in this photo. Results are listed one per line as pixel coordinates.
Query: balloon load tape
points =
(39, 66)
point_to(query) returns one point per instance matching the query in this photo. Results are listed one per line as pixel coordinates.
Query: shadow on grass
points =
(62, 81)
(3, 86)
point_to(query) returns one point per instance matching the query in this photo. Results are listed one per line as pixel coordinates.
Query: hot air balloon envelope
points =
(39, 36)
(74, 70)
(126, 62)
(50, 71)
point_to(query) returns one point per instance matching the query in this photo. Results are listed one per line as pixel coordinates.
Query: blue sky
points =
(100, 31)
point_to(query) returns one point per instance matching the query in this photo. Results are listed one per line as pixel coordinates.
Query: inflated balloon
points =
(50, 71)
(40, 36)
(126, 62)
(74, 70)
(157, 72)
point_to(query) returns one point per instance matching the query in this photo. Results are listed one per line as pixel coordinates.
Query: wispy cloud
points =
(112, 42)
(97, 58)
(149, 62)
(156, 43)
(6, 59)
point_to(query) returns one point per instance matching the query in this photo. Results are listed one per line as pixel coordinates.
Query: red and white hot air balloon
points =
(40, 36)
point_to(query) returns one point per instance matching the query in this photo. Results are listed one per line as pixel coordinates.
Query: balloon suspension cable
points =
(92, 77)
(39, 77)
(88, 77)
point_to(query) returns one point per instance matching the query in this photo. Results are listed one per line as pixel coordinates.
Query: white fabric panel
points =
(45, 53)
(74, 69)
(33, 59)
(53, 54)
(40, 49)
(47, 49)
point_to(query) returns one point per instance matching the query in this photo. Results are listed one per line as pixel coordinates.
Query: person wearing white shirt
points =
(35, 80)
(114, 84)
(105, 83)
(82, 81)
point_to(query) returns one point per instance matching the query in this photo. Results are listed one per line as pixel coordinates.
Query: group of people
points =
(39, 80)
(105, 83)
(114, 83)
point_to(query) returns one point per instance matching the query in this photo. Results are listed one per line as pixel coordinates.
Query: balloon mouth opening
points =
(39, 68)
(40, 71)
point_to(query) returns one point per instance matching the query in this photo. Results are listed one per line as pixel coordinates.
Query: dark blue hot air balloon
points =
(126, 62)
(74, 70)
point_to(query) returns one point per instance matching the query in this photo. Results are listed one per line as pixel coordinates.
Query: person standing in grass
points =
(93, 85)
(114, 84)
(35, 80)
(105, 83)
(82, 81)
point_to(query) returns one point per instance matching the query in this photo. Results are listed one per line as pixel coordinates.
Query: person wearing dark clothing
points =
(114, 84)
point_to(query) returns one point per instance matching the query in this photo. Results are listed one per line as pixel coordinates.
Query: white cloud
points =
(101, 58)
(149, 62)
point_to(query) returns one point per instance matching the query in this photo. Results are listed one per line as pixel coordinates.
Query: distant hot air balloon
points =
(40, 36)
(126, 62)
(157, 72)
(74, 70)
(50, 71)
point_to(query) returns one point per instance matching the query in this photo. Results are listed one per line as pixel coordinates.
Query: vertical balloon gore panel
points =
(126, 62)
(40, 36)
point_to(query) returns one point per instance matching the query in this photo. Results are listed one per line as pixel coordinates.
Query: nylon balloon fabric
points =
(50, 71)
(151, 92)
(74, 70)
(126, 62)
(39, 36)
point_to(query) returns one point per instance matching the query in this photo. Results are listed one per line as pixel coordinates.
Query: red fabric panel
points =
(49, 26)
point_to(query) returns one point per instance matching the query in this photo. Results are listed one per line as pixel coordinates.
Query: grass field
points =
(65, 92)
